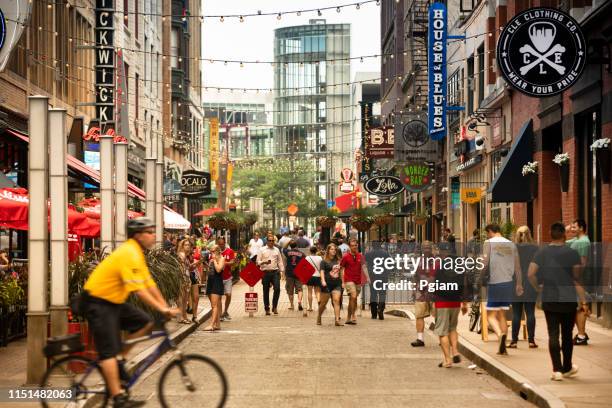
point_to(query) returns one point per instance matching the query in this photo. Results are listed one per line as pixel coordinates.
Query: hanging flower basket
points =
(250, 218)
(218, 221)
(420, 220)
(361, 224)
(602, 155)
(383, 219)
(325, 221)
(562, 160)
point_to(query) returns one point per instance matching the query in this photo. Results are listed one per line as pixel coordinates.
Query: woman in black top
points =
(526, 249)
(214, 287)
(331, 282)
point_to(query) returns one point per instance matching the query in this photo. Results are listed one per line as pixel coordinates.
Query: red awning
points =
(80, 167)
(208, 212)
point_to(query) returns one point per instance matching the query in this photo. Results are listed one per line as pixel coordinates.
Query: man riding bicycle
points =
(104, 304)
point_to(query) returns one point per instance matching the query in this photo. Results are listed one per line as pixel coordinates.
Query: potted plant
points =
(362, 219)
(329, 219)
(562, 160)
(601, 147)
(531, 170)
(11, 302)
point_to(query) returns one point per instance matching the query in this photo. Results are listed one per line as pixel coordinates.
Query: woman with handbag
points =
(214, 287)
(314, 283)
(184, 254)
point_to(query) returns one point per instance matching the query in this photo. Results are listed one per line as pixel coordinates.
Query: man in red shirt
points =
(354, 273)
(229, 256)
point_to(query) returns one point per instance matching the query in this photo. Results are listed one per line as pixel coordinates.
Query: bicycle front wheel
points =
(74, 379)
(193, 378)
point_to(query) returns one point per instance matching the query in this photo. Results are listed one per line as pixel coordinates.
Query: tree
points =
(279, 182)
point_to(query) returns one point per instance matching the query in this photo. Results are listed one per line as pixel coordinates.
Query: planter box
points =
(13, 323)
(603, 164)
(564, 173)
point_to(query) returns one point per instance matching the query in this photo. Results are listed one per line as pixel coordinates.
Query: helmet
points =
(138, 224)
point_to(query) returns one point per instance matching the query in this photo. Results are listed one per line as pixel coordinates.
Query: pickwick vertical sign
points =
(105, 64)
(541, 52)
(436, 59)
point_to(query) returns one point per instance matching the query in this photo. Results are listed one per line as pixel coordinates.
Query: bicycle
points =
(84, 376)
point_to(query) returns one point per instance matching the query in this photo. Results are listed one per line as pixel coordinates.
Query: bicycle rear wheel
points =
(193, 378)
(80, 374)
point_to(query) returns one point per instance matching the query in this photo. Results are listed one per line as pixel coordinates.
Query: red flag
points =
(251, 274)
(304, 270)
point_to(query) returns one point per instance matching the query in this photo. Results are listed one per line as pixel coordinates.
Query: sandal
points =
(310, 309)
(512, 344)
(445, 365)
(184, 321)
(209, 329)
(532, 344)
(339, 323)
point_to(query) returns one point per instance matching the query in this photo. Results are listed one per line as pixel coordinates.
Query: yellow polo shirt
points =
(123, 271)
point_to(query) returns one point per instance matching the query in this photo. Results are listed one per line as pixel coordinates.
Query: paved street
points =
(287, 360)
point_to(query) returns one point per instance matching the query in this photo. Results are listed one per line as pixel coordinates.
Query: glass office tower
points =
(312, 97)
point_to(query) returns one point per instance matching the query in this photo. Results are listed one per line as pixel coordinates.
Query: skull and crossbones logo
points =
(542, 35)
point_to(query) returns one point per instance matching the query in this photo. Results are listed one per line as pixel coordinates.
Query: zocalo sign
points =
(195, 183)
(437, 71)
(384, 186)
(541, 52)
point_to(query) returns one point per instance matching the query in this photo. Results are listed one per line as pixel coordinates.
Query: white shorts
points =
(227, 286)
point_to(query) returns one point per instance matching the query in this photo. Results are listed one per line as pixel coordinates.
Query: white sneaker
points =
(556, 376)
(571, 372)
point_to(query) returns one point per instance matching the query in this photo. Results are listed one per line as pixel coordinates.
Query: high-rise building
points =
(312, 97)
(245, 123)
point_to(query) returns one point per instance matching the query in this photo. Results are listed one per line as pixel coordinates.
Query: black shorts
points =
(194, 277)
(314, 281)
(106, 320)
(333, 285)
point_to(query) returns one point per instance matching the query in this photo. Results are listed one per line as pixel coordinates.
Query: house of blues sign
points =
(541, 52)
(105, 63)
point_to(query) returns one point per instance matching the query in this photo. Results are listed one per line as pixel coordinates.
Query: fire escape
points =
(415, 82)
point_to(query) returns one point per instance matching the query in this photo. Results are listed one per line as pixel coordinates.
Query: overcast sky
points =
(254, 38)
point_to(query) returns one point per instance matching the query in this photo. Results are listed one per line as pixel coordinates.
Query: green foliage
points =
(167, 273)
(11, 292)
(507, 229)
(279, 182)
(79, 271)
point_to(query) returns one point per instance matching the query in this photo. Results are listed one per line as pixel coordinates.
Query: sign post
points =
(251, 302)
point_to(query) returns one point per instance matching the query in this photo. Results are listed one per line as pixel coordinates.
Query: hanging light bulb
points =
(278, 17)
(222, 19)
(378, 2)
(319, 13)
(357, 6)
(241, 19)
(299, 13)
(337, 9)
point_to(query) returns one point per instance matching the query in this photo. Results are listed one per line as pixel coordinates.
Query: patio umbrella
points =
(14, 211)
(91, 206)
(208, 212)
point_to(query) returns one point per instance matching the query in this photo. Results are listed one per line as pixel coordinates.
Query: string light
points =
(337, 9)
(278, 17)
(241, 19)
(222, 19)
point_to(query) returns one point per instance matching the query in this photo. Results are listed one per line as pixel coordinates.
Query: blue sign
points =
(330, 203)
(436, 59)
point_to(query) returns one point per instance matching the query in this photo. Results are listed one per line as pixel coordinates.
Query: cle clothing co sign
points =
(541, 52)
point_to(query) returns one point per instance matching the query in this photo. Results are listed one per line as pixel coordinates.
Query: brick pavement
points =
(287, 360)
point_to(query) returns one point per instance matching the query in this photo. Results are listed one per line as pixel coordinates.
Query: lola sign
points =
(384, 186)
(541, 52)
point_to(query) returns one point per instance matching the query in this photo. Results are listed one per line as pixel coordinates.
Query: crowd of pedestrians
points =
(516, 274)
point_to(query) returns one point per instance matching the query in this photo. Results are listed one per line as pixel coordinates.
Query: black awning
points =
(509, 185)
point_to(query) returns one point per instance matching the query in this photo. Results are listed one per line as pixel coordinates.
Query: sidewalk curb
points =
(177, 337)
(504, 374)
(507, 376)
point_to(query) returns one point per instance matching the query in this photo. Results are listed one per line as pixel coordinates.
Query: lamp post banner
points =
(436, 58)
